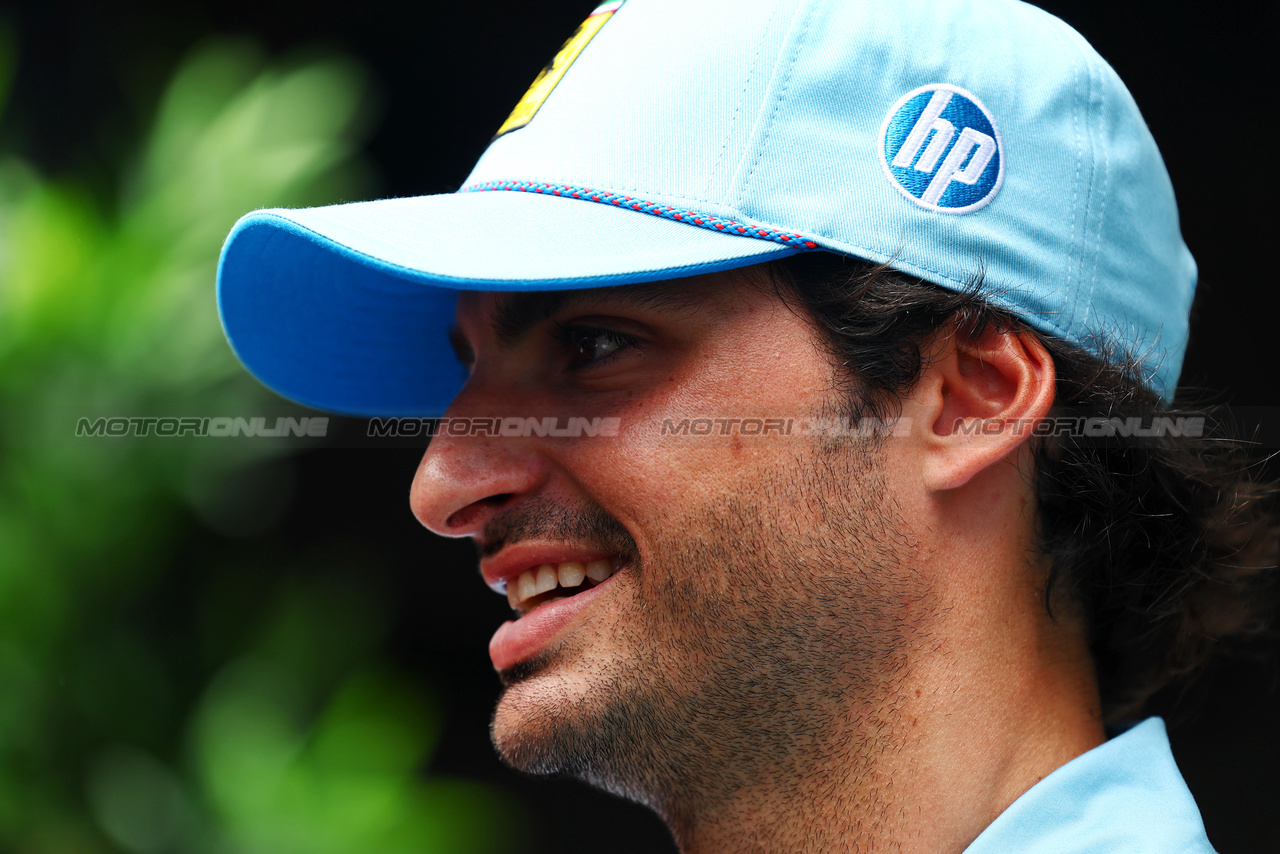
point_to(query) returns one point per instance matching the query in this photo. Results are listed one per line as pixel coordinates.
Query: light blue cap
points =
(947, 138)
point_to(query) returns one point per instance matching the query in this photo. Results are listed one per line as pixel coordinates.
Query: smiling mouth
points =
(552, 582)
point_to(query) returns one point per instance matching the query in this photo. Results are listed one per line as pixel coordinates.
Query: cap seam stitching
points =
(1105, 191)
(1075, 186)
(737, 110)
(777, 107)
(1083, 311)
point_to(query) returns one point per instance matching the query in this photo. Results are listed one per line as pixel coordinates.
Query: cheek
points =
(656, 469)
(685, 452)
(680, 448)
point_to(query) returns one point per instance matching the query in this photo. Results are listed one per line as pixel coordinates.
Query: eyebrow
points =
(517, 313)
(513, 317)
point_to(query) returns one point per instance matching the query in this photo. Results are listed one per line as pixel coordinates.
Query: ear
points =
(981, 396)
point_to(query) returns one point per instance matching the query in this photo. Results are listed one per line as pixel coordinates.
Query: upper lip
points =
(515, 559)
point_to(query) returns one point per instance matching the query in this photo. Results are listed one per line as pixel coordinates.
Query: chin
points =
(528, 737)
(538, 718)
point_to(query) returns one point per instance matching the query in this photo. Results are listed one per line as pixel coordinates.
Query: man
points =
(816, 416)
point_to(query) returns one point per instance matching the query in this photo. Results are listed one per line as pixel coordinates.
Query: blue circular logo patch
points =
(941, 149)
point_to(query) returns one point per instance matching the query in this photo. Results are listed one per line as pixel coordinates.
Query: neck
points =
(942, 756)
(840, 795)
(927, 773)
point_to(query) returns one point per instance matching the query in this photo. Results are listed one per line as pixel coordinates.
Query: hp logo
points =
(941, 149)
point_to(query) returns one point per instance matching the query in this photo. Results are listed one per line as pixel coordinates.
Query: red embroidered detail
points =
(795, 241)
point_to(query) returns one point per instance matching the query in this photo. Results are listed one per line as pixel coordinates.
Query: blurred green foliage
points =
(256, 712)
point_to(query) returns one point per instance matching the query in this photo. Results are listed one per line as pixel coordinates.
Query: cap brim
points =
(348, 308)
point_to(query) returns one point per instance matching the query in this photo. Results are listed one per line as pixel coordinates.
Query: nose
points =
(468, 475)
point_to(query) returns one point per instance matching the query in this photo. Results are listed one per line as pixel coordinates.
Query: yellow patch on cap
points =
(550, 76)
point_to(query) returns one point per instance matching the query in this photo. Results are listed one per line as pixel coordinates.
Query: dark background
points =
(446, 75)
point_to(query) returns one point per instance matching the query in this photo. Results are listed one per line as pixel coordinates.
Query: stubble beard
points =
(767, 644)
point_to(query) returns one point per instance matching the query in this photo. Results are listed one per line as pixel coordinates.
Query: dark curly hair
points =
(1168, 544)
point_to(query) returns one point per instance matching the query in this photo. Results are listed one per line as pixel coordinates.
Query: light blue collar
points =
(1125, 795)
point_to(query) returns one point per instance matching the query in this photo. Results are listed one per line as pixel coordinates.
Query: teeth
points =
(571, 574)
(526, 587)
(548, 577)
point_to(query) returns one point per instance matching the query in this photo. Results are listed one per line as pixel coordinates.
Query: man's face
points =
(763, 601)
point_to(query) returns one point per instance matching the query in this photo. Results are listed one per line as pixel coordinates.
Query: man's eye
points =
(593, 346)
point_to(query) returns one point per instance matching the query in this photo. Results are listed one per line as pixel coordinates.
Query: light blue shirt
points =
(1125, 796)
